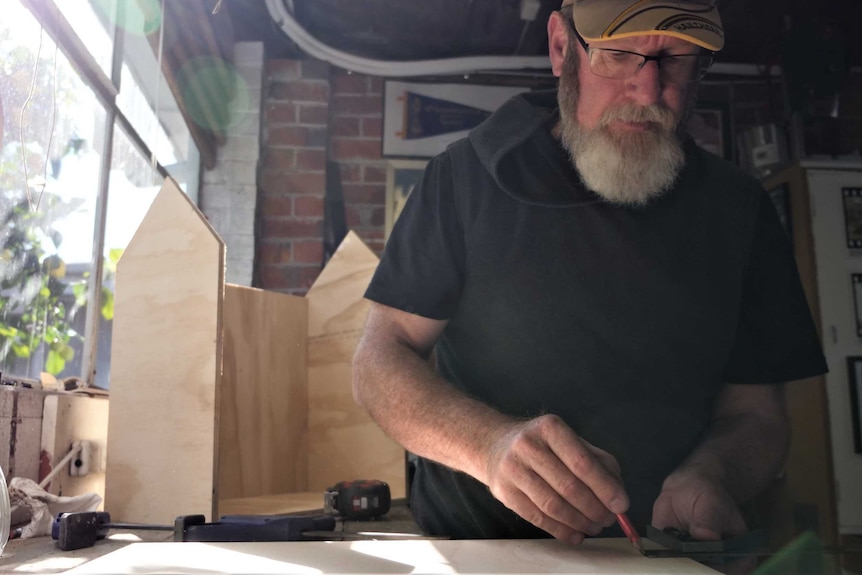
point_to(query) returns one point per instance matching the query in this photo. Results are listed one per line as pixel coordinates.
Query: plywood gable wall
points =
(222, 393)
(165, 365)
(346, 443)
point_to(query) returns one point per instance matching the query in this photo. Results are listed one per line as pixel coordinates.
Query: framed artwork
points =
(421, 119)
(709, 125)
(854, 371)
(401, 177)
(852, 198)
(856, 281)
(780, 197)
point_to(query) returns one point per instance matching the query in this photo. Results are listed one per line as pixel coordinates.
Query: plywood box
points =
(221, 392)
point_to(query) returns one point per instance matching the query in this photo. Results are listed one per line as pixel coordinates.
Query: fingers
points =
(718, 523)
(701, 533)
(531, 481)
(609, 461)
(663, 514)
(699, 506)
(561, 525)
(597, 469)
(550, 477)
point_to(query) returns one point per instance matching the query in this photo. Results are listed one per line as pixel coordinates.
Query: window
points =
(132, 188)
(94, 25)
(153, 112)
(57, 255)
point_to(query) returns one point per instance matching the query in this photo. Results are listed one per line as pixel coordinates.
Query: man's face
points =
(600, 95)
(622, 134)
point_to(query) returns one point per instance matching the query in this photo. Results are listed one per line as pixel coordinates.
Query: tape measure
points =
(358, 499)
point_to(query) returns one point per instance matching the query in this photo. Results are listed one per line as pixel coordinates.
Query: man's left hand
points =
(693, 502)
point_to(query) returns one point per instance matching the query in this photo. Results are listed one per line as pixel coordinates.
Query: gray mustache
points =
(628, 113)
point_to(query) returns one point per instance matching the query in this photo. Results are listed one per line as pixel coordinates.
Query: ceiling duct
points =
(281, 12)
(466, 65)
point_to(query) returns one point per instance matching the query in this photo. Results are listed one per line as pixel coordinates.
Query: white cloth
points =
(31, 501)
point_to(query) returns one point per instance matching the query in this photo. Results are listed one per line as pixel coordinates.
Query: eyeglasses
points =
(674, 69)
(705, 3)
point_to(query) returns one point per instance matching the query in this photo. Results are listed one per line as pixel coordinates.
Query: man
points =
(612, 309)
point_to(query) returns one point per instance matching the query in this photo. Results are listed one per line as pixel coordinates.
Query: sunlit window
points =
(49, 180)
(94, 24)
(52, 183)
(133, 187)
(166, 132)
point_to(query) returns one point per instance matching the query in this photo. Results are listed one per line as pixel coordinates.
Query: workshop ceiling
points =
(757, 31)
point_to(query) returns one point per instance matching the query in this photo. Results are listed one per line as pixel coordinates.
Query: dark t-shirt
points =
(626, 322)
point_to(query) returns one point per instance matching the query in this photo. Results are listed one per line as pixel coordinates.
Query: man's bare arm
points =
(393, 380)
(741, 454)
(538, 468)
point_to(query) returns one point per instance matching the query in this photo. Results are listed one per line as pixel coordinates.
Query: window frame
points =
(107, 90)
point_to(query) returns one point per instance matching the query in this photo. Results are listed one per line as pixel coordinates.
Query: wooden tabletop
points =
(526, 556)
(41, 555)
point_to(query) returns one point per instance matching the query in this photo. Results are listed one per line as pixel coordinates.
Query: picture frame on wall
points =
(854, 376)
(401, 177)
(709, 126)
(856, 286)
(856, 282)
(852, 202)
(421, 118)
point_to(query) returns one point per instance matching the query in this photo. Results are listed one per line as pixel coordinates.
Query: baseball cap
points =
(696, 21)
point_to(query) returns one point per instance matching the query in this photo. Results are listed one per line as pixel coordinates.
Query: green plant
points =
(33, 281)
(46, 107)
(109, 271)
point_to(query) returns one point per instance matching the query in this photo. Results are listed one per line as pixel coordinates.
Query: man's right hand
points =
(544, 472)
(538, 468)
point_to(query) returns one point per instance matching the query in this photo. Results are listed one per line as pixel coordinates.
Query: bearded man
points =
(613, 311)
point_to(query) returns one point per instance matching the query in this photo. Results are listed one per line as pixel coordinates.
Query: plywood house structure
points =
(227, 399)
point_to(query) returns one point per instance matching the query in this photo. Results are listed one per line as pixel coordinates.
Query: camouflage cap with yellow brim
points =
(696, 21)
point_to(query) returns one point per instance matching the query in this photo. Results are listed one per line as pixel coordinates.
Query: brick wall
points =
(356, 134)
(312, 113)
(229, 192)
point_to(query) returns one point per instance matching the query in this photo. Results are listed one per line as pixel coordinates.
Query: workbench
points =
(41, 555)
(132, 551)
(595, 556)
(140, 552)
(148, 552)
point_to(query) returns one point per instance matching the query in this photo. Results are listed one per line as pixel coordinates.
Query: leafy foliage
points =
(38, 300)
(32, 283)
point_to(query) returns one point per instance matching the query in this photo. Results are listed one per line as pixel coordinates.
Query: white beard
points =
(630, 168)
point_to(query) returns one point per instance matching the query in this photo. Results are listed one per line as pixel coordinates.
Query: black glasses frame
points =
(704, 3)
(705, 57)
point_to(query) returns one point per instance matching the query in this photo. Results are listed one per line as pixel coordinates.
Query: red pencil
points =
(630, 531)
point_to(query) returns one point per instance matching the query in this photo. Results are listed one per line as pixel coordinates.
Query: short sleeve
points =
(422, 268)
(776, 339)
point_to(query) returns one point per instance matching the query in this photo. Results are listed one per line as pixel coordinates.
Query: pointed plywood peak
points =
(172, 218)
(344, 440)
(165, 365)
(351, 256)
(335, 301)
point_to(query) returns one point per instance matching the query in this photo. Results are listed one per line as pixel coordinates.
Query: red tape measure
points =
(358, 499)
